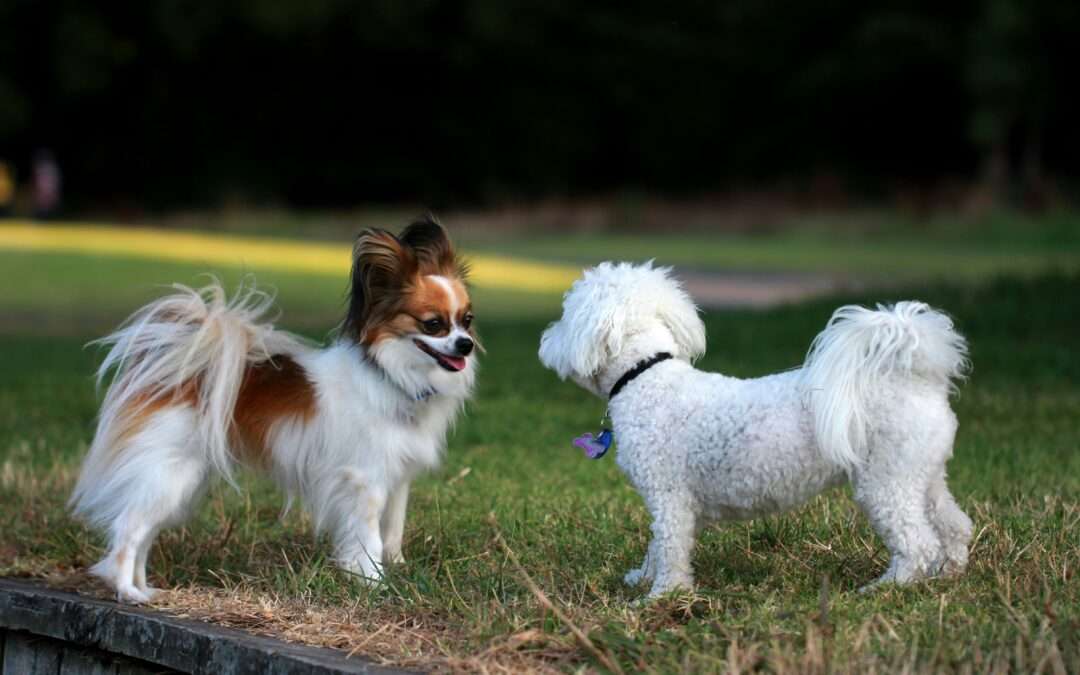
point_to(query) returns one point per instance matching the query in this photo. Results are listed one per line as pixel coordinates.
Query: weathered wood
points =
(29, 655)
(82, 662)
(179, 644)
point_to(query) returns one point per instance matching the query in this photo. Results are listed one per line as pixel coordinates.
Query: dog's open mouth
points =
(445, 361)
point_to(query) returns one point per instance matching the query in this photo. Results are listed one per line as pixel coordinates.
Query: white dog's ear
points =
(679, 313)
(612, 302)
(591, 328)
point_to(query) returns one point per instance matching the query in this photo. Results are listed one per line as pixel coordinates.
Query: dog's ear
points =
(432, 247)
(590, 331)
(382, 268)
(680, 315)
(608, 303)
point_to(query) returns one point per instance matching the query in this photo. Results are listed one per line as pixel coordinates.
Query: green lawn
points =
(778, 593)
(872, 244)
(69, 293)
(901, 257)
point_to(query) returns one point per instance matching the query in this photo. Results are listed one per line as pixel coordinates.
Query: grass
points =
(86, 294)
(874, 246)
(776, 593)
(903, 256)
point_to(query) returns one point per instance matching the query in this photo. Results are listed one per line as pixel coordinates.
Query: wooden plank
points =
(178, 644)
(30, 655)
(82, 662)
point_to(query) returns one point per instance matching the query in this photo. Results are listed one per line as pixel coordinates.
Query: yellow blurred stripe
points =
(255, 253)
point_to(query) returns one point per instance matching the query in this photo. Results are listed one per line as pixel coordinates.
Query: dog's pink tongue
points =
(455, 362)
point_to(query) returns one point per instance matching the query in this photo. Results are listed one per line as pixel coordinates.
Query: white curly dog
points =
(870, 405)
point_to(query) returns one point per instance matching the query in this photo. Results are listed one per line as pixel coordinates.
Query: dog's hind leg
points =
(155, 480)
(952, 525)
(896, 505)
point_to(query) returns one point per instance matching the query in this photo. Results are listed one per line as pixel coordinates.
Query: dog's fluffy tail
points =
(191, 346)
(861, 347)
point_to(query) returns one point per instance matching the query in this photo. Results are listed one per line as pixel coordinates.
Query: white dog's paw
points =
(129, 595)
(956, 560)
(670, 584)
(149, 591)
(637, 576)
(903, 571)
(953, 568)
(365, 570)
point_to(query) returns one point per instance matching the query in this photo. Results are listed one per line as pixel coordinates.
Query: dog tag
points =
(597, 447)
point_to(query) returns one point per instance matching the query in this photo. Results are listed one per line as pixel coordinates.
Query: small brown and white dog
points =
(201, 384)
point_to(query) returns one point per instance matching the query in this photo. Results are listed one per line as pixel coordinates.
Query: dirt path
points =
(726, 290)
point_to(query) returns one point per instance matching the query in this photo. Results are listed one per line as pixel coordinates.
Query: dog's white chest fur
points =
(368, 420)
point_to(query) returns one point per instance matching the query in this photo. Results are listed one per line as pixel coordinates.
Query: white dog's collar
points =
(640, 368)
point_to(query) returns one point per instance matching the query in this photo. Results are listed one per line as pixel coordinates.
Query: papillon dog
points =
(201, 384)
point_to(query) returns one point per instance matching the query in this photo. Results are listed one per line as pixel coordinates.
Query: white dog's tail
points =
(857, 350)
(191, 345)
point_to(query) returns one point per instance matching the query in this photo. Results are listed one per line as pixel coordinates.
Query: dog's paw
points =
(953, 568)
(636, 577)
(149, 591)
(364, 570)
(956, 561)
(127, 594)
(675, 583)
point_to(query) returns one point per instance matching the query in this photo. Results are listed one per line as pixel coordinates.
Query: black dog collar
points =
(640, 368)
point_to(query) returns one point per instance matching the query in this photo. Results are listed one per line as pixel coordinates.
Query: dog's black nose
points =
(464, 346)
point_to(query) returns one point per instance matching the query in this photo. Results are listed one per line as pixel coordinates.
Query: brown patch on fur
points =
(429, 300)
(401, 324)
(271, 391)
(144, 406)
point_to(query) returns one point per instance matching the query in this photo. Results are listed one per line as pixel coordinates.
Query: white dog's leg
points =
(897, 507)
(641, 574)
(358, 540)
(393, 524)
(161, 476)
(952, 525)
(673, 530)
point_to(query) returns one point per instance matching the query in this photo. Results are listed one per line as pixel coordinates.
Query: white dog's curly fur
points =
(870, 405)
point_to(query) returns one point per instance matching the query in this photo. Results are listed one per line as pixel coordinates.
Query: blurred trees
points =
(331, 102)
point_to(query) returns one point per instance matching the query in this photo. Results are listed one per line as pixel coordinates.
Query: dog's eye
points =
(466, 321)
(432, 326)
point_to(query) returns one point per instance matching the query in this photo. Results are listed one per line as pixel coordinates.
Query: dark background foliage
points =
(333, 102)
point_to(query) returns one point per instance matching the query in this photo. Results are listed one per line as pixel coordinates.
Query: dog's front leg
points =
(358, 539)
(644, 573)
(673, 530)
(393, 524)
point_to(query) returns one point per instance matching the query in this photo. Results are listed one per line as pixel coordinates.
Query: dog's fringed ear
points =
(382, 267)
(432, 247)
